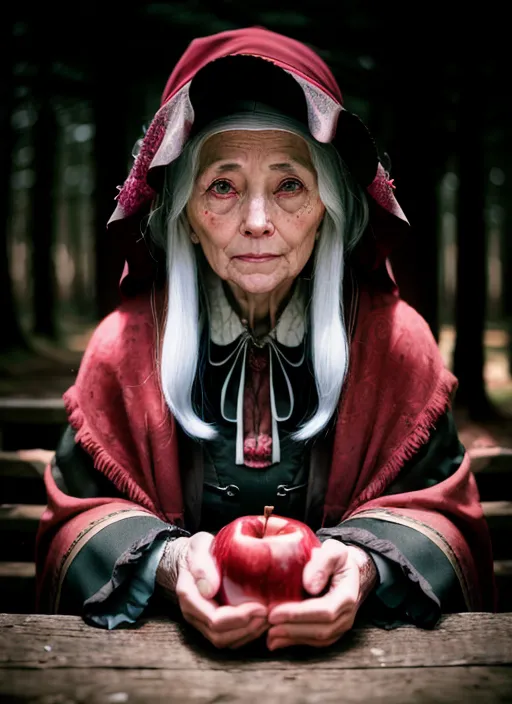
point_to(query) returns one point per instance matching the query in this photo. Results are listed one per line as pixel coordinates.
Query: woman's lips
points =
(257, 257)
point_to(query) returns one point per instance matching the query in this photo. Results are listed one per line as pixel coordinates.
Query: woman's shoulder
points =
(387, 318)
(132, 325)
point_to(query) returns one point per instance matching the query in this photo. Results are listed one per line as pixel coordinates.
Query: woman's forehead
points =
(241, 145)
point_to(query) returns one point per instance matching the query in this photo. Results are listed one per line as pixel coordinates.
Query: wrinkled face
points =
(255, 208)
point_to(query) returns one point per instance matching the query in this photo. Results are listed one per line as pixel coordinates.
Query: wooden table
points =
(60, 660)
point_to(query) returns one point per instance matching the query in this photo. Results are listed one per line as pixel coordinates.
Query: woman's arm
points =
(418, 551)
(97, 553)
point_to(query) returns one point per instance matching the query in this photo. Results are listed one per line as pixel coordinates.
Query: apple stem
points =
(267, 513)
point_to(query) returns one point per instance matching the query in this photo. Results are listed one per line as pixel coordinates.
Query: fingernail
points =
(204, 587)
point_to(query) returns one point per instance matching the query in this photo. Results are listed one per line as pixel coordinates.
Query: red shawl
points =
(396, 390)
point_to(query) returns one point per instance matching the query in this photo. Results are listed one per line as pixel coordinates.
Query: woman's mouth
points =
(257, 257)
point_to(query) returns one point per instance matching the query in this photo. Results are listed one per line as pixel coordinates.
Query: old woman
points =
(261, 355)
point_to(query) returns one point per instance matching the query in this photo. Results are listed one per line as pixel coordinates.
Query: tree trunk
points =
(12, 335)
(111, 110)
(416, 261)
(471, 294)
(76, 238)
(417, 161)
(506, 247)
(111, 161)
(43, 204)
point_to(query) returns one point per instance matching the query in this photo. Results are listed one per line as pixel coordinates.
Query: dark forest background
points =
(79, 80)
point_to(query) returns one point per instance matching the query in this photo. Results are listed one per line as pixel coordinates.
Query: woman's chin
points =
(258, 283)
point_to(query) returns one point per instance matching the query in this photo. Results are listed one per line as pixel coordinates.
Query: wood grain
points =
(32, 411)
(291, 685)
(46, 642)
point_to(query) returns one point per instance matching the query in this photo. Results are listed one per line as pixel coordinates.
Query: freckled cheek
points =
(209, 222)
(215, 231)
(298, 230)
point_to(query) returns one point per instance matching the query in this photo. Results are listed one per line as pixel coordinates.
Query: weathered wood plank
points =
(65, 641)
(21, 476)
(483, 458)
(32, 411)
(23, 516)
(290, 685)
(492, 467)
(18, 586)
(18, 527)
(503, 575)
(499, 519)
(17, 570)
(29, 464)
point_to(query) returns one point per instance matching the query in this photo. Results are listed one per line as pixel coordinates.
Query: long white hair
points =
(344, 222)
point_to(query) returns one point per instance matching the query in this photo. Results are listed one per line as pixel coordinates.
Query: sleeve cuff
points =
(125, 596)
(128, 607)
(393, 584)
(403, 594)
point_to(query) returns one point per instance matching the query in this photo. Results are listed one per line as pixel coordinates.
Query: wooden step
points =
(492, 467)
(18, 587)
(18, 528)
(31, 422)
(18, 522)
(32, 411)
(499, 519)
(21, 476)
(503, 575)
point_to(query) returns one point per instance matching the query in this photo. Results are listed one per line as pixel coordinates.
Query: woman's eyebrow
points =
(232, 166)
(287, 166)
(292, 165)
(219, 168)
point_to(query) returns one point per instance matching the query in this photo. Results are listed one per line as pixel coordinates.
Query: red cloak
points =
(396, 389)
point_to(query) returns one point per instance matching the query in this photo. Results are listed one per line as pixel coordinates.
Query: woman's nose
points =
(256, 222)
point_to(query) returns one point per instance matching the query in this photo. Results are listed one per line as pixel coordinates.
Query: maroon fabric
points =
(254, 41)
(257, 417)
(396, 390)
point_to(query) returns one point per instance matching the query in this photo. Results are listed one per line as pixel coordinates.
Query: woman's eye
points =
(221, 188)
(291, 186)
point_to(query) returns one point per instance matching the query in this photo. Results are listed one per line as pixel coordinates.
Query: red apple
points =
(261, 558)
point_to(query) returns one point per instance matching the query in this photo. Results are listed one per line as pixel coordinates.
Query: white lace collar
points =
(226, 326)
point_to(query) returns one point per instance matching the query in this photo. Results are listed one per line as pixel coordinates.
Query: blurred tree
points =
(45, 135)
(75, 186)
(412, 92)
(507, 236)
(111, 110)
(12, 335)
(468, 360)
(417, 171)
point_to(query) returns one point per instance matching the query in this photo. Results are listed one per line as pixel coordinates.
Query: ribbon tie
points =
(227, 328)
(238, 356)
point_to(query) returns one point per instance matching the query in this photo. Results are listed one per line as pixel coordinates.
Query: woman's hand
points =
(322, 621)
(198, 581)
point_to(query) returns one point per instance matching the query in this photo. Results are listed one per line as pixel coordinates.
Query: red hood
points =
(253, 41)
(302, 73)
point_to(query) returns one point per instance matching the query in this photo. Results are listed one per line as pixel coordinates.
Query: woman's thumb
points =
(202, 565)
(321, 566)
